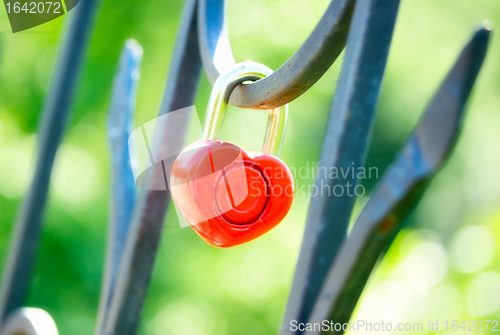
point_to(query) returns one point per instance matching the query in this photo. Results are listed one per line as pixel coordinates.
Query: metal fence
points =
(332, 269)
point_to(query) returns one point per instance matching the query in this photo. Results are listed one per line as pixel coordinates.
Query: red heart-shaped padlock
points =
(228, 196)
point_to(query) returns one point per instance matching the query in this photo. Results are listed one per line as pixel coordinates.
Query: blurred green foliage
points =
(439, 267)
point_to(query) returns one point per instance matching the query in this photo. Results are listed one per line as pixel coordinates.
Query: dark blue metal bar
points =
(120, 126)
(146, 227)
(400, 188)
(213, 37)
(25, 238)
(344, 146)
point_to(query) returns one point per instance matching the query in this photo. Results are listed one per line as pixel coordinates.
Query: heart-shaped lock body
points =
(228, 196)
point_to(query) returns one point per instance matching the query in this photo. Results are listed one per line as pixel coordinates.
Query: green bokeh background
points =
(444, 265)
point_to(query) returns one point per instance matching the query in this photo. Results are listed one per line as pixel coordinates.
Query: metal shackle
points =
(218, 101)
